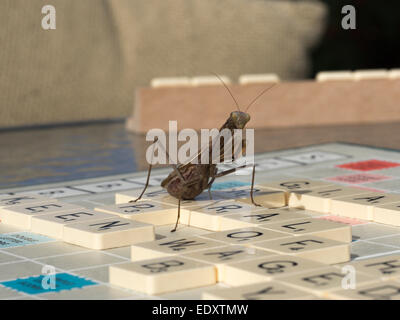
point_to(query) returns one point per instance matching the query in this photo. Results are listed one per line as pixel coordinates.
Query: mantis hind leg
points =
(149, 170)
(146, 185)
(179, 215)
(209, 189)
(213, 172)
(224, 173)
(148, 173)
(252, 186)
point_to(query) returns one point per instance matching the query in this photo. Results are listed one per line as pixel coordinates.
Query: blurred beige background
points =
(101, 50)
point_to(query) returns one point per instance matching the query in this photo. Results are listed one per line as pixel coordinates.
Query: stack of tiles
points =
(350, 202)
(283, 249)
(71, 223)
(250, 245)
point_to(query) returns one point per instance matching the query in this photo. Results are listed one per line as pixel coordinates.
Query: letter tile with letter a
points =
(221, 256)
(361, 206)
(385, 268)
(320, 199)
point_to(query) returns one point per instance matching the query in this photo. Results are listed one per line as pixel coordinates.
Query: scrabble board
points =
(328, 221)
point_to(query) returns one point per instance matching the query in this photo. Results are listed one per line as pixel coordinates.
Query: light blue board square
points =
(34, 285)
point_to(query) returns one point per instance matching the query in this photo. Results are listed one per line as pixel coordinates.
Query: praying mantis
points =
(187, 181)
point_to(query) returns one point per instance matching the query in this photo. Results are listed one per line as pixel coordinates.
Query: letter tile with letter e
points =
(319, 282)
(21, 215)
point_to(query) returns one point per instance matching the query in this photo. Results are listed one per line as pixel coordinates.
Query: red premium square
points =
(369, 165)
(358, 178)
(345, 220)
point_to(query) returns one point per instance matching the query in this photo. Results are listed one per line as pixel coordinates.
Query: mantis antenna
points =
(226, 87)
(256, 98)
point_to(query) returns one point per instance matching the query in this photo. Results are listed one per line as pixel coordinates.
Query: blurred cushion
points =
(88, 67)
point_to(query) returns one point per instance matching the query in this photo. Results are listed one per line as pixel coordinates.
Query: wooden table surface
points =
(46, 155)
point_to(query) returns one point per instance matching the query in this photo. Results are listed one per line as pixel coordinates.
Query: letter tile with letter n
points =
(162, 275)
(310, 247)
(244, 236)
(52, 225)
(361, 206)
(21, 215)
(171, 246)
(319, 282)
(221, 256)
(266, 269)
(311, 226)
(209, 216)
(108, 233)
(147, 211)
(262, 291)
(383, 290)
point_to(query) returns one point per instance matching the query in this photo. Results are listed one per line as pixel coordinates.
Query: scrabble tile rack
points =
(345, 97)
(106, 248)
